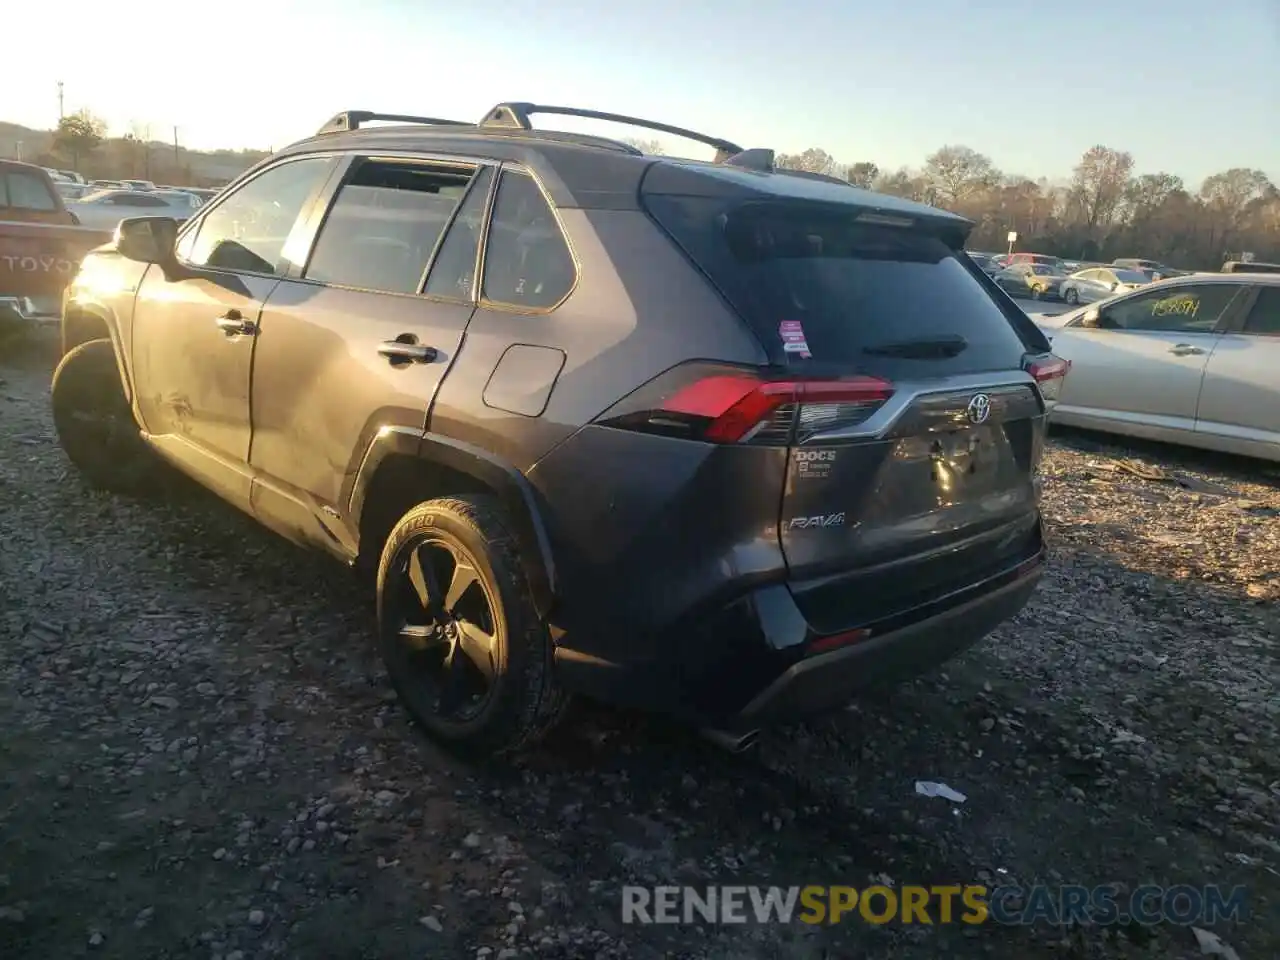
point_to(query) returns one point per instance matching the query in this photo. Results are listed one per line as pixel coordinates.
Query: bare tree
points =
(863, 174)
(903, 183)
(652, 147)
(959, 172)
(1147, 193)
(813, 160)
(1099, 184)
(1231, 191)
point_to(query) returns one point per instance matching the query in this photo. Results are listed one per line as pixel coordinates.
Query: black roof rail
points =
(352, 119)
(517, 115)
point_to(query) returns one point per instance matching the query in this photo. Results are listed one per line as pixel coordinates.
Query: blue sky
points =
(1188, 86)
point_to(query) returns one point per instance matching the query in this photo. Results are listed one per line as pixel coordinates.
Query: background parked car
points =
(1154, 269)
(40, 246)
(1249, 266)
(1190, 360)
(1098, 283)
(1035, 281)
(182, 198)
(983, 260)
(106, 208)
(1041, 258)
(70, 190)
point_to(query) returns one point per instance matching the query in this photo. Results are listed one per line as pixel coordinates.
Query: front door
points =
(193, 338)
(1145, 362)
(359, 342)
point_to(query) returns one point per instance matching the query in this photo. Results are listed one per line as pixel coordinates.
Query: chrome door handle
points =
(233, 324)
(395, 350)
(1184, 349)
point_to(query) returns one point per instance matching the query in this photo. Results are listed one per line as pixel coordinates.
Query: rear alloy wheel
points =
(458, 630)
(95, 424)
(1036, 293)
(1071, 296)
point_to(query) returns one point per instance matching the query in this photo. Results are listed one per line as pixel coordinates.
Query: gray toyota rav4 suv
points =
(708, 438)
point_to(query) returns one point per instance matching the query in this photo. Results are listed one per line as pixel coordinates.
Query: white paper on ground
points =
(927, 788)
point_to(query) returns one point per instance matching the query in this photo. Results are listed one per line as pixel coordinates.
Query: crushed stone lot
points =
(200, 758)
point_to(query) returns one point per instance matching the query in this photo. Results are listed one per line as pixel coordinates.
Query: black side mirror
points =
(150, 240)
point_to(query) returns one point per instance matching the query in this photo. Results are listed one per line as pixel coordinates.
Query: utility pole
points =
(61, 112)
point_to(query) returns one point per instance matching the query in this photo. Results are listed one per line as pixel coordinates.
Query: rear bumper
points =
(40, 311)
(829, 680)
(746, 666)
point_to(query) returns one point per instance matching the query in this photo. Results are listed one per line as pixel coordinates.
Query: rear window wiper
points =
(926, 348)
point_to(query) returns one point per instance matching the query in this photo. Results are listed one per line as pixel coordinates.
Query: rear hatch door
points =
(915, 429)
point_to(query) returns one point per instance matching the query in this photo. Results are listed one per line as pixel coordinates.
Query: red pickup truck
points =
(41, 245)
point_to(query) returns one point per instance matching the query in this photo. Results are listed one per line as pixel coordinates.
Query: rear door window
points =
(858, 290)
(527, 263)
(384, 224)
(25, 191)
(1264, 318)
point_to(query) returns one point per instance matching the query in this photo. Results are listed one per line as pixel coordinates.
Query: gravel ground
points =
(200, 758)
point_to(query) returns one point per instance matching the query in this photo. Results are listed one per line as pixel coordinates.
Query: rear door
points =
(359, 339)
(915, 438)
(1240, 400)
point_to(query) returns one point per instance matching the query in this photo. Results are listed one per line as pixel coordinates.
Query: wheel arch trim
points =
(99, 312)
(513, 489)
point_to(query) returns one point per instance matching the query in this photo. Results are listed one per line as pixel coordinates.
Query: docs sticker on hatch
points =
(793, 339)
(815, 464)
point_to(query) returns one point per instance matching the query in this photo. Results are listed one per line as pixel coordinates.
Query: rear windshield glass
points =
(852, 287)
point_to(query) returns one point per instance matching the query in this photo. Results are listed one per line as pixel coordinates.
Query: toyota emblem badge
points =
(979, 408)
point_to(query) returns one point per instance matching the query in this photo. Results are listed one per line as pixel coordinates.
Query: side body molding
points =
(518, 497)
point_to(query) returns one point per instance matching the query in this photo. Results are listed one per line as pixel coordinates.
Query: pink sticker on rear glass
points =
(793, 338)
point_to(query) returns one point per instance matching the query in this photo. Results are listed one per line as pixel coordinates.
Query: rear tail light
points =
(722, 404)
(1049, 371)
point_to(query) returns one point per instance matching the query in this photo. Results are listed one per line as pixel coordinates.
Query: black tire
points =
(523, 701)
(95, 424)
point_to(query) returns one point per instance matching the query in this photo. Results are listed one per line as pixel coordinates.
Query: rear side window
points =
(384, 225)
(1264, 318)
(854, 289)
(527, 263)
(25, 191)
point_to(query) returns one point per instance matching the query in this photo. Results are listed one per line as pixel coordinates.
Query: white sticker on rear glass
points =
(793, 339)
